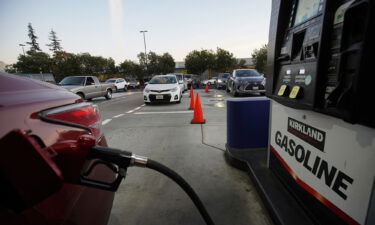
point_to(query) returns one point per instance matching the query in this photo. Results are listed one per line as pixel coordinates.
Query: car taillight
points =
(83, 115)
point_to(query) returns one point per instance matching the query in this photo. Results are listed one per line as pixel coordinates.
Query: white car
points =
(210, 81)
(163, 88)
(120, 83)
(182, 81)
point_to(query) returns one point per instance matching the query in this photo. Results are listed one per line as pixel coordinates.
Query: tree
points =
(241, 64)
(157, 64)
(260, 58)
(130, 68)
(34, 46)
(197, 62)
(55, 44)
(33, 62)
(166, 63)
(225, 60)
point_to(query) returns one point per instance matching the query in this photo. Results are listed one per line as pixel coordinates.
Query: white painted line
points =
(106, 121)
(143, 105)
(117, 116)
(137, 108)
(170, 112)
(131, 111)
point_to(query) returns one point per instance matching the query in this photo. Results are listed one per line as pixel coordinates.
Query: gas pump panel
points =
(321, 61)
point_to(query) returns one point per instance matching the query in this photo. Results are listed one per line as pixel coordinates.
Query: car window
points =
(163, 80)
(224, 75)
(72, 81)
(247, 73)
(90, 81)
(179, 77)
(110, 81)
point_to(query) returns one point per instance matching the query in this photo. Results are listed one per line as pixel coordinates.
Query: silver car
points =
(87, 87)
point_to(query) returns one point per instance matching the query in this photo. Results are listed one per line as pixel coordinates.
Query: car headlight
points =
(219, 81)
(263, 82)
(147, 90)
(174, 89)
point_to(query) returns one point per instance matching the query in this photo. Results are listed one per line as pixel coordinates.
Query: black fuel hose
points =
(184, 185)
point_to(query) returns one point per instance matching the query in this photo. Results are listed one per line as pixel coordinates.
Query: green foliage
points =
(196, 62)
(157, 64)
(131, 69)
(260, 58)
(55, 44)
(225, 60)
(33, 62)
(34, 46)
(166, 63)
(241, 64)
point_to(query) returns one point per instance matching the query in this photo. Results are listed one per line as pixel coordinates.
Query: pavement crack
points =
(217, 148)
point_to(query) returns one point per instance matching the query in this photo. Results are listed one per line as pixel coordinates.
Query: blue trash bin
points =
(247, 125)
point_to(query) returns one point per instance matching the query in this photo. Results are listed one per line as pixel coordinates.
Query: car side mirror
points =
(27, 173)
(180, 81)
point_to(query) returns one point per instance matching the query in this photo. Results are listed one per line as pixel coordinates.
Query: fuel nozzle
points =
(119, 161)
(116, 160)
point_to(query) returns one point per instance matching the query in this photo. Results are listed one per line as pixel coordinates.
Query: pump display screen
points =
(306, 9)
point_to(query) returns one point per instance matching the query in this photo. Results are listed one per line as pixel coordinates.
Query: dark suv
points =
(246, 81)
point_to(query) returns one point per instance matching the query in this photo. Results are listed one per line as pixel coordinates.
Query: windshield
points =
(163, 80)
(247, 73)
(73, 81)
(188, 76)
(179, 77)
(224, 75)
(110, 81)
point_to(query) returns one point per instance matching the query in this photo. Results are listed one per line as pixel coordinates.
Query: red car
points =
(22, 100)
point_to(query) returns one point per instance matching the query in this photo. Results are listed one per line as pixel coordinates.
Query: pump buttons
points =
(294, 92)
(282, 90)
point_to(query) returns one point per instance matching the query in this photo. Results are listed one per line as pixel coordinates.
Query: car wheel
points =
(115, 89)
(227, 89)
(234, 92)
(108, 95)
(81, 95)
(125, 88)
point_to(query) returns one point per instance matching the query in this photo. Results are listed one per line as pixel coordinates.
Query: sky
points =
(110, 28)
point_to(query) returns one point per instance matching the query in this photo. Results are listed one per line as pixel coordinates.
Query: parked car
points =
(133, 83)
(47, 77)
(189, 79)
(120, 83)
(222, 80)
(181, 81)
(163, 88)
(210, 81)
(22, 100)
(246, 81)
(87, 87)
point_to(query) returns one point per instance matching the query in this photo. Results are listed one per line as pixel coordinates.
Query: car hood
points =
(250, 79)
(158, 87)
(70, 87)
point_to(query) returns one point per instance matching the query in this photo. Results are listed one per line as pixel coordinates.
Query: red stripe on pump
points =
(314, 193)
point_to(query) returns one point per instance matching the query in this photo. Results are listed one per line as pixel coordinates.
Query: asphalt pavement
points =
(196, 152)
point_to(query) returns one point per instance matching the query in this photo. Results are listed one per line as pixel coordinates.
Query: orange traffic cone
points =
(191, 92)
(198, 113)
(206, 88)
(192, 102)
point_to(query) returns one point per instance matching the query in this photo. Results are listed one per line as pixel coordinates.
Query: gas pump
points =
(322, 136)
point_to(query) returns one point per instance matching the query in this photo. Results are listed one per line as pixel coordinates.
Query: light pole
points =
(144, 41)
(23, 50)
